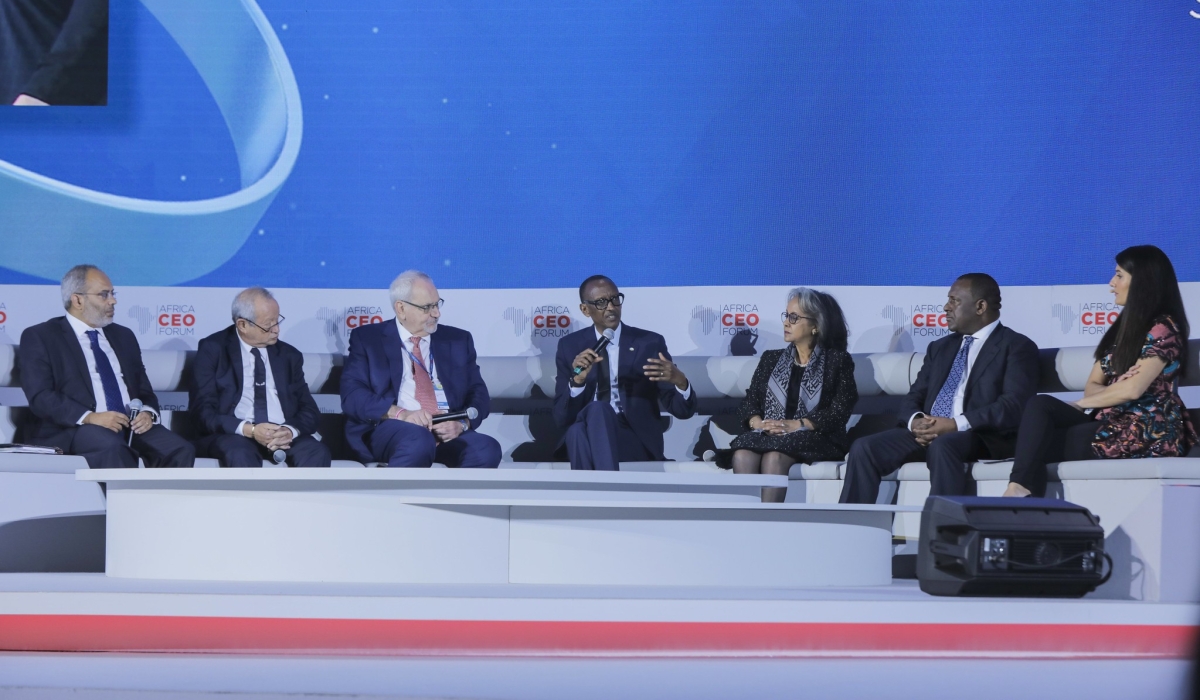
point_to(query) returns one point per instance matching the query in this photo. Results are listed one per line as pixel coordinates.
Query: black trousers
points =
(600, 438)
(875, 456)
(1051, 431)
(241, 452)
(158, 447)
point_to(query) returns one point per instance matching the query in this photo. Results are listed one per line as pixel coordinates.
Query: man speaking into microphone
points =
(612, 380)
(401, 375)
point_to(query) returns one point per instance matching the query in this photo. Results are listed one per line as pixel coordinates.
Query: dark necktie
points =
(603, 383)
(943, 405)
(260, 387)
(108, 378)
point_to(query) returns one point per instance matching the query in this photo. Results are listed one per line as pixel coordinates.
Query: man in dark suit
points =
(81, 371)
(965, 404)
(249, 392)
(402, 373)
(54, 52)
(610, 409)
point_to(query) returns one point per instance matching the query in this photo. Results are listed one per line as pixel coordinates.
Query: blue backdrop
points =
(500, 144)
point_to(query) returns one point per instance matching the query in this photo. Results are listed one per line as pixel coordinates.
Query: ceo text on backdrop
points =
(965, 404)
(249, 391)
(400, 374)
(608, 400)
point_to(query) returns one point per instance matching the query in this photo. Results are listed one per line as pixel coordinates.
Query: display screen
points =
(529, 145)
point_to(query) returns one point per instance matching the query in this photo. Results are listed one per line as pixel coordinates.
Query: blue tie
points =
(943, 405)
(108, 378)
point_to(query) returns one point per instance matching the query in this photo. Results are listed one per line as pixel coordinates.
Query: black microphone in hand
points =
(605, 338)
(135, 407)
(469, 414)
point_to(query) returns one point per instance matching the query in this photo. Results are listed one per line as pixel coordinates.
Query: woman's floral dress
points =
(1156, 424)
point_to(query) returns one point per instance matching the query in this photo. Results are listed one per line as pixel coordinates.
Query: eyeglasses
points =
(104, 296)
(426, 308)
(268, 329)
(792, 319)
(602, 304)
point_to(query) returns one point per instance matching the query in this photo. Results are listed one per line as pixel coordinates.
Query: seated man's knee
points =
(416, 449)
(490, 452)
(945, 447)
(597, 409)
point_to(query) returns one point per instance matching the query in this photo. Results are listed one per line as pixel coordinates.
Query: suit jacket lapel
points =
(233, 350)
(446, 374)
(626, 352)
(393, 348)
(129, 372)
(281, 380)
(75, 352)
(991, 346)
(940, 373)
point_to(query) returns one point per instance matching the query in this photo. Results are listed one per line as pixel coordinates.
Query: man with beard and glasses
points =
(609, 401)
(81, 371)
(401, 374)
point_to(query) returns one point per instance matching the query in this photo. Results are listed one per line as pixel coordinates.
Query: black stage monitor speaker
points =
(1010, 547)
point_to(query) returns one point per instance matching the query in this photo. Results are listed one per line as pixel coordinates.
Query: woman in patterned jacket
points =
(1131, 405)
(800, 397)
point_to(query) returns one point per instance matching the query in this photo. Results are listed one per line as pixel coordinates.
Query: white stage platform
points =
(93, 612)
(484, 527)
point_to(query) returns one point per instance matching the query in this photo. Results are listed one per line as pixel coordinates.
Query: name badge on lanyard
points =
(438, 392)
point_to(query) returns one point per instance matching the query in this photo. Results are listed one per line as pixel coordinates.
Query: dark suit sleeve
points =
(204, 398)
(477, 391)
(752, 402)
(75, 70)
(914, 401)
(567, 407)
(37, 381)
(831, 418)
(668, 395)
(307, 413)
(359, 401)
(1021, 369)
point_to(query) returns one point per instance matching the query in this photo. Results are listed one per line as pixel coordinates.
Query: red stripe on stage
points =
(467, 637)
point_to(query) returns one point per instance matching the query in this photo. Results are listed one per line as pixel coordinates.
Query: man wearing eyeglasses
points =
(609, 401)
(400, 374)
(249, 393)
(80, 373)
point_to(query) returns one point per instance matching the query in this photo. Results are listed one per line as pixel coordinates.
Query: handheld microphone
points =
(470, 414)
(605, 338)
(135, 407)
(278, 456)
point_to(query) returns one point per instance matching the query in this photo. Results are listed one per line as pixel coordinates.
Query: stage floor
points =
(91, 612)
(205, 640)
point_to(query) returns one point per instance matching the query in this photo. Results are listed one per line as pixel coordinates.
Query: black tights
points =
(751, 462)
(1051, 431)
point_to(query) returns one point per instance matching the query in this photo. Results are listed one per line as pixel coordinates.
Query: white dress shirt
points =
(614, 359)
(980, 337)
(245, 405)
(407, 397)
(80, 328)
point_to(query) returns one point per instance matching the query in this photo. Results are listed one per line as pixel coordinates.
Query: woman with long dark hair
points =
(800, 397)
(1131, 405)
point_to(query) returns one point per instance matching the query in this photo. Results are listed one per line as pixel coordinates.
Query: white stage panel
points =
(765, 546)
(334, 536)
